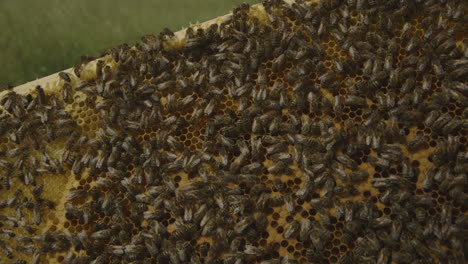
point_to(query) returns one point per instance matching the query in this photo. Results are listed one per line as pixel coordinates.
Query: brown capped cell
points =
(269, 210)
(298, 246)
(284, 243)
(279, 229)
(387, 211)
(343, 248)
(274, 224)
(335, 251)
(276, 216)
(298, 208)
(384, 174)
(177, 178)
(297, 255)
(336, 242)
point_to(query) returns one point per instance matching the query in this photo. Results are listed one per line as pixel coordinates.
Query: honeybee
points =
(292, 229)
(64, 76)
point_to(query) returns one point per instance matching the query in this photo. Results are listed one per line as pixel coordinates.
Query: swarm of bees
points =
(330, 132)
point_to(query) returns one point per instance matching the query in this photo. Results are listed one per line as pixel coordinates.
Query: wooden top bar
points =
(52, 81)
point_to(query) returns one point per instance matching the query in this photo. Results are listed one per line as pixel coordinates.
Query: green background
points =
(41, 37)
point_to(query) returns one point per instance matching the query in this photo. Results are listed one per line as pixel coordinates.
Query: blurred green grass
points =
(39, 38)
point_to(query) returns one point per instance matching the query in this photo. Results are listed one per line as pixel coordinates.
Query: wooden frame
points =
(51, 82)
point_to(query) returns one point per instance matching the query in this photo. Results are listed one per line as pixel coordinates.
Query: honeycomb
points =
(303, 132)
